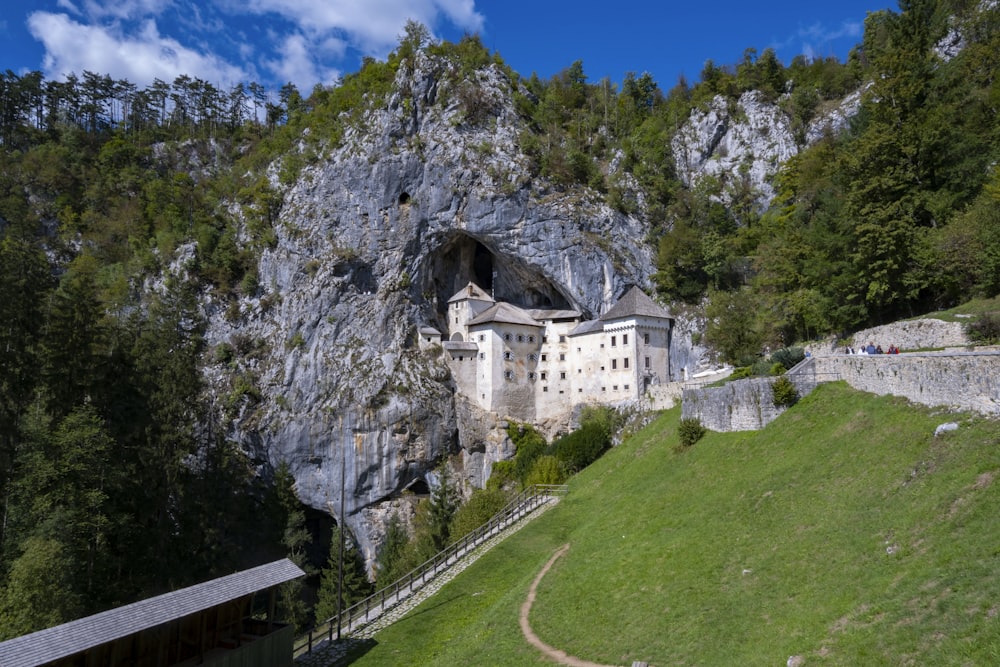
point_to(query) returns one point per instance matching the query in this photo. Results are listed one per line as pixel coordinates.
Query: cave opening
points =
(462, 259)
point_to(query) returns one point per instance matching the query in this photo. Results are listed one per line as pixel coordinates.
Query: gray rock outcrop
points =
(419, 197)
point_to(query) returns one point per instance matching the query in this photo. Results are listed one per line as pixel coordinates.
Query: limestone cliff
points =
(745, 142)
(420, 197)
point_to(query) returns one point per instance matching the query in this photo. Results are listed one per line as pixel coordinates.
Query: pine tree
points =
(355, 585)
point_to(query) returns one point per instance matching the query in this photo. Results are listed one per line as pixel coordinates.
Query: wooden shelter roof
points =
(44, 646)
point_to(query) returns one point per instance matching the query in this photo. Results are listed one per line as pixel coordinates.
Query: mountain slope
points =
(845, 533)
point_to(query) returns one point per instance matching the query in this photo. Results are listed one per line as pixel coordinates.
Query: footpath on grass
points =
(328, 653)
(550, 651)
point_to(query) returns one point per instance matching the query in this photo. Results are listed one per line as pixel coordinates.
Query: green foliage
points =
(784, 393)
(529, 444)
(442, 505)
(547, 469)
(787, 357)
(40, 589)
(734, 327)
(985, 329)
(355, 584)
(477, 510)
(690, 431)
(578, 449)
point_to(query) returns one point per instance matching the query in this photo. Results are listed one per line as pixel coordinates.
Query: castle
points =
(531, 363)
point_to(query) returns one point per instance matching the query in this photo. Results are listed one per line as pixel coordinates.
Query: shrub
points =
(690, 431)
(788, 356)
(546, 470)
(476, 511)
(985, 330)
(583, 446)
(784, 392)
(530, 444)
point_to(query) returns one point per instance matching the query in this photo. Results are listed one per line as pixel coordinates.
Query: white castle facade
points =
(530, 364)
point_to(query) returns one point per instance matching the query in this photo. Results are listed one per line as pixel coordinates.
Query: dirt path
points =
(529, 634)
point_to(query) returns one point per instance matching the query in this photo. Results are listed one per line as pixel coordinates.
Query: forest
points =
(117, 476)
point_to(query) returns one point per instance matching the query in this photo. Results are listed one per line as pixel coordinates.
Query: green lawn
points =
(844, 532)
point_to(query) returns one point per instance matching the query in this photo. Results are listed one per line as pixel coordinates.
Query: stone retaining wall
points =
(741, 405)
(953, 379)
(956, 380)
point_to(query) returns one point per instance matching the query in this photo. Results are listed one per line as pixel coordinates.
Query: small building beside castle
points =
(530, 363)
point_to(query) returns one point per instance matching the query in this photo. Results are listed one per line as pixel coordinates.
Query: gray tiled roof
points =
(539, 314)
(504, 313)
(67, 639)
(471, 291)
(587, 327)
(635, 303)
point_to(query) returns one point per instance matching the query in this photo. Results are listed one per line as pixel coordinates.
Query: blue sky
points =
(315, 41)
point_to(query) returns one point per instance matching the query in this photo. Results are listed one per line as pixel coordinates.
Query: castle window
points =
(545, 375)
(461, 358)
(482, 355)
(507, 337)
(545, 388)
(579, 370)
(562, 356)
(602, 368)
(626, 387)
(545, 339)
(532, 356)
(520, 338)
(531, 338)
(625, 362)
(545, 357)
(532, 376)
(645, 338)
(604, 388)
(614, 340)
(614, 364)
(580, 390)
(647, 362)
(602, 346)
(508, 355)
(615, 387)
(579, 349)
(562, 375)
(482, 337)
(508, 375)
(624, 339)
(562, 339)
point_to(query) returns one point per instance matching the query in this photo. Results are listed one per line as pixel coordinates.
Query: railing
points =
(371, 608)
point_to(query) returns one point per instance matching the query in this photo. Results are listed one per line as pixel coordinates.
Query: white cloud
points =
(372, 26)
(72, 47)
(123, 9)
(298, 65)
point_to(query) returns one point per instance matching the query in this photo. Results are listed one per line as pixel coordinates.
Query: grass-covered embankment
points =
(844, 532)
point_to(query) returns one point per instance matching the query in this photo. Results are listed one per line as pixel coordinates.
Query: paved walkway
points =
(328, 654)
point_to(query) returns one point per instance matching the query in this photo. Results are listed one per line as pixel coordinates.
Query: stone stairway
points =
(363, 620)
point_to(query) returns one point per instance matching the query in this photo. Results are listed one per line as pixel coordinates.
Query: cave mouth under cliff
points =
(462, 259)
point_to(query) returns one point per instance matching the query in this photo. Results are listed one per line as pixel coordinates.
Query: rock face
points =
(420, 197)
(744, 143)
(749, 140)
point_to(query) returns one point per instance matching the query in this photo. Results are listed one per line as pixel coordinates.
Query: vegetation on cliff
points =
(125, 213)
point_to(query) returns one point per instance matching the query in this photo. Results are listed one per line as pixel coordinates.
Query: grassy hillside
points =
(844, 532)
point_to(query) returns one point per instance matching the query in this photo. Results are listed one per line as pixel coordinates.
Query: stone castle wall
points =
(956, 380)
(741, 405)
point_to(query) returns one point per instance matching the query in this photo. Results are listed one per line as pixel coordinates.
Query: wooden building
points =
(225, 622)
